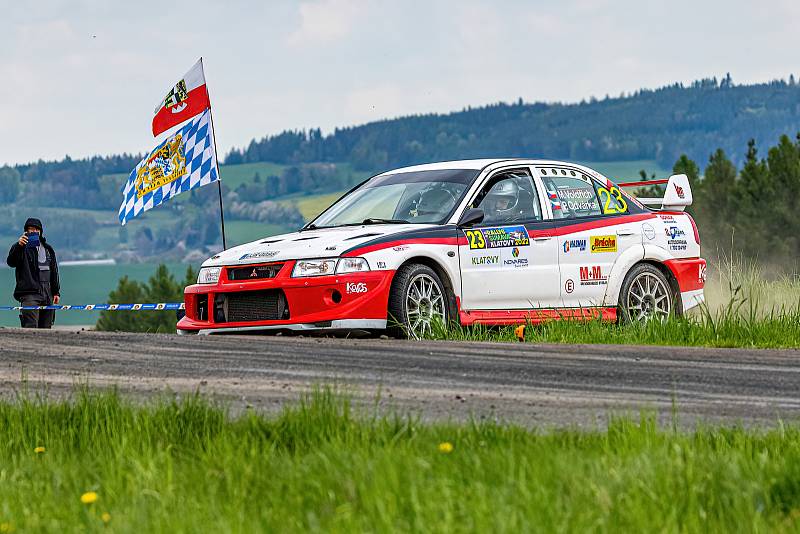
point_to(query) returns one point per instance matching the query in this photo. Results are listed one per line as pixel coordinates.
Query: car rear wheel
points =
(646, 295)
(417, 302)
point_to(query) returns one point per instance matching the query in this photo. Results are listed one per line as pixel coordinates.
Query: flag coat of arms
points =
(185, 160)
(187, 98)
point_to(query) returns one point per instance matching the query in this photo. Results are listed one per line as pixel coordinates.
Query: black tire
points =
(401, 313)
(646, 294)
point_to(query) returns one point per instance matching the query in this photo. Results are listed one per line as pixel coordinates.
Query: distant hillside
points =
(658, 124)
(279, 181)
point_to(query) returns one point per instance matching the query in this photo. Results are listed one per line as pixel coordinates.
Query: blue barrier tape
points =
(160, 306)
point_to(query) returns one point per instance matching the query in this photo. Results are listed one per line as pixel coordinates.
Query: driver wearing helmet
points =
(500, 204)
(433, 204)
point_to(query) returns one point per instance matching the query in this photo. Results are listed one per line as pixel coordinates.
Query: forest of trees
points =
(750, 210)
(742, 197)
(656, 124)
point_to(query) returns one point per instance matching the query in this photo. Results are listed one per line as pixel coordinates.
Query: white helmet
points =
(505, 197)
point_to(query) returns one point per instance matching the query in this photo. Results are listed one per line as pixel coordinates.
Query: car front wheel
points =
(646, 295)
(417, 302)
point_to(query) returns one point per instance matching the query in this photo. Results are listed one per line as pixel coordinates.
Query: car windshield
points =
(413, 197)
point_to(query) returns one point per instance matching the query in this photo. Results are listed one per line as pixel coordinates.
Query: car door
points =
(502, 266)
(587, 246)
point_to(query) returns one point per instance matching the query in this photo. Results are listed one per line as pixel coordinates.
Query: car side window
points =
(509, 197)
(571, 194)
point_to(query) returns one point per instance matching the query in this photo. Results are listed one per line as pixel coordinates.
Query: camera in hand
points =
(33, 239)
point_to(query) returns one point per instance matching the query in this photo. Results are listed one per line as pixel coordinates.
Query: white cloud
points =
(324, 21)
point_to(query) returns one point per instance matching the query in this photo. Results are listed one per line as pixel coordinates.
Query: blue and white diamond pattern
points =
(201, 169)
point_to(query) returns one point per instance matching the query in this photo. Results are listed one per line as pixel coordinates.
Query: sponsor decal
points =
(574, 244)
(593, 276)
(701, 275)
(505, 236)
(255, 255)
(486, 260)
(667, 218)
(673, 232)
(355, 287)
(515, 260)
(673, 235)
(648, 231)
(400, 248)
(381, 265)
(603, 243)
(679, 191)
(254, 274)
(332, 247)
(569, 285)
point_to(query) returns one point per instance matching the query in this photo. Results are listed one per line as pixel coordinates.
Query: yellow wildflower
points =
(6, 527)
(38, 450)
(106, 517)
(446, 447)
(89, 497)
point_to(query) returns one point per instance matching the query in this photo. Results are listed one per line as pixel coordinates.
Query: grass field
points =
(745, 307)
(188, 466)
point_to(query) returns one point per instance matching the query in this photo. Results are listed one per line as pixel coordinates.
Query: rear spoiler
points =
(677, 196)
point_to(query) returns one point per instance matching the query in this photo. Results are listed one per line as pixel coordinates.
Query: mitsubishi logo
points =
(254, 274)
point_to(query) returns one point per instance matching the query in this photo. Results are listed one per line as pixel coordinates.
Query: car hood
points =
(325, 242)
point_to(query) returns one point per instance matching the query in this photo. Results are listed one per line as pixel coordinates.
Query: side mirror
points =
(471, 217)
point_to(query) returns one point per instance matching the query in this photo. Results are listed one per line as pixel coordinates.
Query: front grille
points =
(267, 305)
(254, 272)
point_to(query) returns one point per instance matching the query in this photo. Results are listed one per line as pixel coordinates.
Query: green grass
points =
(745, 307)
(239, 232)
(312, 205)
(706, 329)
(235, 175)
(323, 465)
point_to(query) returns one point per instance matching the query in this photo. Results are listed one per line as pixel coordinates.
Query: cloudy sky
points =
(82, 77)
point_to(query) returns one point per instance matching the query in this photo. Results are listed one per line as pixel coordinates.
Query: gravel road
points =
(545, 385)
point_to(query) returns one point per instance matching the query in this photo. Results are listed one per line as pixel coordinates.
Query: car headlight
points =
(352, 265)
(208, 275)
(314, 267)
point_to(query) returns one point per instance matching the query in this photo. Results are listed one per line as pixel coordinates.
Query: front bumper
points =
(353, 301)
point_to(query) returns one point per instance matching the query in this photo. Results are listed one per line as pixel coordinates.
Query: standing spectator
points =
(36, 271)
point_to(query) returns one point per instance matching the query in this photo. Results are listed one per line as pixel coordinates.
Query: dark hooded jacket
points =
(25, 262)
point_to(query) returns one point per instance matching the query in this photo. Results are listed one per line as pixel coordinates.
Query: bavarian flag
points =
(185, 160)
(187, 98)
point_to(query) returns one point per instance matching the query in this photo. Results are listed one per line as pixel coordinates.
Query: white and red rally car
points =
(479, 241)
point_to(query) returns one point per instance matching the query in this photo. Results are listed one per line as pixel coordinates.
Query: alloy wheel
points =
(424, 304)
(648, 298)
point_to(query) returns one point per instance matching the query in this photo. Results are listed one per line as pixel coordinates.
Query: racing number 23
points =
(620, 206)
(475, 238)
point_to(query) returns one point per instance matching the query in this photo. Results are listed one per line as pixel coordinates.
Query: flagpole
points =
(216, 160)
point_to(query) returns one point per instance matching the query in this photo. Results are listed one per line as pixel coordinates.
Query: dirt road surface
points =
(544, 385)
